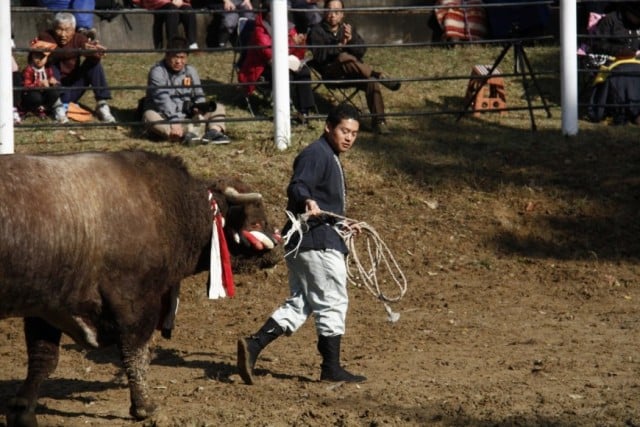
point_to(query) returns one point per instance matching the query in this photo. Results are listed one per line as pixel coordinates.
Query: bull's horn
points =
(234, 196)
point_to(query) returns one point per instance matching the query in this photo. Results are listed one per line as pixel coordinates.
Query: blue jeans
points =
(73, 86)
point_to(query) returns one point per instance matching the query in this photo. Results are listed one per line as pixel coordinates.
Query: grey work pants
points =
(318, 285)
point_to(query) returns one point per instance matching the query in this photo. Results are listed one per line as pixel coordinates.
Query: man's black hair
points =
(342, 112)
(177, 44)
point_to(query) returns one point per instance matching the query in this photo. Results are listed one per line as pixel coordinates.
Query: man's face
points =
(334, 13)
(64, 33)
(343, 135)
(176, 61)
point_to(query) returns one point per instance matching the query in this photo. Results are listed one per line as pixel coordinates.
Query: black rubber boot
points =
(329, 348)
(249, 348)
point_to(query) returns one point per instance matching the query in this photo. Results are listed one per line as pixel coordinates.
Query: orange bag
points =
(78, 114)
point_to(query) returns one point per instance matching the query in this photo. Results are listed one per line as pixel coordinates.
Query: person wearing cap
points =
(73, 71)
(41, 95)
(175, 107)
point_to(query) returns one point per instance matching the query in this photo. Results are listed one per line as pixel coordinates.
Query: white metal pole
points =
(569, 67)
(280, 67)
(6, 88)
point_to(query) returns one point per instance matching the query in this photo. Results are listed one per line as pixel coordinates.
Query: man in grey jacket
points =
(175, 107)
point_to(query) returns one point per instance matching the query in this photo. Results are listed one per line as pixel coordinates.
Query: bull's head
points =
(252, 240)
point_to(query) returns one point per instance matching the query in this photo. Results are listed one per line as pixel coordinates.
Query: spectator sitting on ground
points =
(41, 95)
(617, 91)
(257, 63)
(175, 95)
(304, 20)
(84, 20)
(344, 60)
(74, 73)
(233, 10)
(172, 20)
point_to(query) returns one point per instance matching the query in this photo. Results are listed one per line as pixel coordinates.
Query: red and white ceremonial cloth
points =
(220, 274)
(461, 19)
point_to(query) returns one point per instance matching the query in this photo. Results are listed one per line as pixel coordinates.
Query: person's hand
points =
(346, 38)
(299, 39)
(43, 83)
(95, 46)
(177, 3)
(176, 132)
(53, 81)
(247, 4)
(312, 208)
(229, 6)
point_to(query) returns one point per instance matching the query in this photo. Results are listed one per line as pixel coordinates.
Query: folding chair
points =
(244, 35)
(244, 30)
(338, 92)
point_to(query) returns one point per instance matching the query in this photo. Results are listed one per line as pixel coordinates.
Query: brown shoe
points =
(393, 85)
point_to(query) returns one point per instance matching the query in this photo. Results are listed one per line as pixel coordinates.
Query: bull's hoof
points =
(20, 413)
(143, 411)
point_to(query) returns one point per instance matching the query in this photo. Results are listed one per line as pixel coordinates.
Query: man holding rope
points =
(316, 255)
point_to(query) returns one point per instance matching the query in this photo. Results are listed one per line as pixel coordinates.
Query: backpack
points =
(110, 9)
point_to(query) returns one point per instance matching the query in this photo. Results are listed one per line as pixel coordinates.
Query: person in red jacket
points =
(41, 95)
(172, 17)
(257, 64)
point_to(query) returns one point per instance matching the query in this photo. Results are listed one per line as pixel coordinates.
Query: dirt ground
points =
(486, 337)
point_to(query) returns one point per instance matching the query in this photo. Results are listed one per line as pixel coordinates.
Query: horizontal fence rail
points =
(138, 86)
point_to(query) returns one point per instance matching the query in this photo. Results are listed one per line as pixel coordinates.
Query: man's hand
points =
(299, 39)
(312, 208)
(346, 38)
(95, 46)
(176, 132)
(229, 6)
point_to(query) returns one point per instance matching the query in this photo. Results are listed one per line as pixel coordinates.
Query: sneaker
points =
(381, 128)
(17, 119)
(193, 46)
(60, 114)
(191, 139)
(104, 113)
(213, 136)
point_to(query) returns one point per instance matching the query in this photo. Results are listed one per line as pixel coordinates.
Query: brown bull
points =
(91, 244)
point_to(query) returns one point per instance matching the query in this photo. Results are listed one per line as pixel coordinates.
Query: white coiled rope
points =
(378, 254)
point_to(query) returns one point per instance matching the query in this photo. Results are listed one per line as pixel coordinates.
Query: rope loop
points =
(378, 256)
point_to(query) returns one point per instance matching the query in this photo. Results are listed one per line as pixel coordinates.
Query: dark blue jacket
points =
(317, 175)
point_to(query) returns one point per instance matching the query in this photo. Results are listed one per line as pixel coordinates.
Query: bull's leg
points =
(43, 342)
(135, 359)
